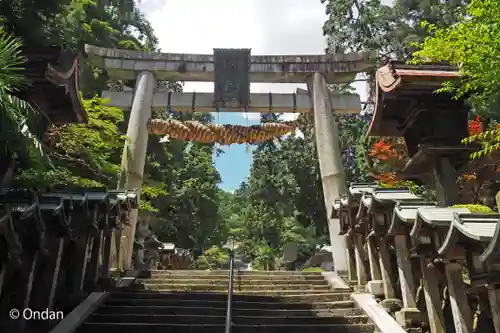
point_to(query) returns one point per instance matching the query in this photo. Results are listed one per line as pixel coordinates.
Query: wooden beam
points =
(260, 103)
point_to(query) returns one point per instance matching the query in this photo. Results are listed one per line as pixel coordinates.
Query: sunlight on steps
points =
(267, 302)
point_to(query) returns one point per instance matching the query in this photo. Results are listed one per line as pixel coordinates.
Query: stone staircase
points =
(195, 301)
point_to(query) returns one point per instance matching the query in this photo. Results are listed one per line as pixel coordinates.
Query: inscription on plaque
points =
(232, 82)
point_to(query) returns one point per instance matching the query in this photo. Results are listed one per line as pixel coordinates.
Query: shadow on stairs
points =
(191, 301)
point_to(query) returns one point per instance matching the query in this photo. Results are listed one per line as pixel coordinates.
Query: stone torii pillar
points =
(329, 155)
(134, 153)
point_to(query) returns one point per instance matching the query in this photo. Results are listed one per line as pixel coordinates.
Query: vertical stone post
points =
(458, 298)
(360, 255)
(409, 313)
(375, 273)
(385, 270)
(376, 285)
(351, 257)
(329, 156)
(405, 274)
(432, 296)
(134, 153)
(494, 298)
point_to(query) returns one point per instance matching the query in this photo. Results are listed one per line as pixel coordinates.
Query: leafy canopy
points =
(473, 45)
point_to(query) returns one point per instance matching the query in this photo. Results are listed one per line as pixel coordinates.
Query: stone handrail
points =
(75, 318)
(377, 314)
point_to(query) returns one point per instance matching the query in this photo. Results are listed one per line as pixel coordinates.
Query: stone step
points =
(238, 277)
(194, 273)
(219, 309)
(284, 296)
(262, 304)
(217, 328)
(236, 287)
(210, 319)
(237, 280)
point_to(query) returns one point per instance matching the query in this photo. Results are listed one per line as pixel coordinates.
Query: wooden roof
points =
(404, 215)
(473, 228)
(52, 75)
(420, 219)
(49, 209)
(398, 85)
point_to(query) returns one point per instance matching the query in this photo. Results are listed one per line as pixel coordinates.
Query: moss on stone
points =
(476, 208)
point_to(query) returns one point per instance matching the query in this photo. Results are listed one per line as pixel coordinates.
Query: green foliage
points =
(476, 208)
(369, 25)
(32, 21)
(18, 119)
(120, 26)
(265, 259)
(313, 269)
(392, 31)
(282, 199)
(280, 202)
(188, 211)
(474, 46)
(489, 142)
(81, 154)
(180, 192)
(213, 258)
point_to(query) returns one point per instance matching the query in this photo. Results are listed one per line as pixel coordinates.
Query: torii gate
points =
(232, 70)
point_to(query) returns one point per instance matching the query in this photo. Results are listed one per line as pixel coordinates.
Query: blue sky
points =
(234, 164)
(266, 26)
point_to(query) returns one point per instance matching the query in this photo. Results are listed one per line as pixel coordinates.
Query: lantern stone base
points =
(375, 287)
(391, 305)
(409, 318)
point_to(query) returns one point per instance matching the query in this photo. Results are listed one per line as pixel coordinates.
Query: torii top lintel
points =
(125, 64)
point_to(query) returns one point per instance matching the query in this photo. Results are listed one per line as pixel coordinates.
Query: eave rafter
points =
(465, 230)
(429, 221)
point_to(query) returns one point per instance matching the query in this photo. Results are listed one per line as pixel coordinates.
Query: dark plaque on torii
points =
(231, 81)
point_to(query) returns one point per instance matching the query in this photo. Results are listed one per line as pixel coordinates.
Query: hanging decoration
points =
(221, 134)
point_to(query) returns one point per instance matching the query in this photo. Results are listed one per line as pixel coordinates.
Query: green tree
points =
(90, 22)
(366, 25)
(473, 45)
(188, 212)
(80, 154)
(18, 124)
(32, 21)
(213, 258)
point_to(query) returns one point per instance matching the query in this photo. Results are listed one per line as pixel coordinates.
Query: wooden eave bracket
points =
(69, 80)
(417, 226)
(449, 242)
(492, 251)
